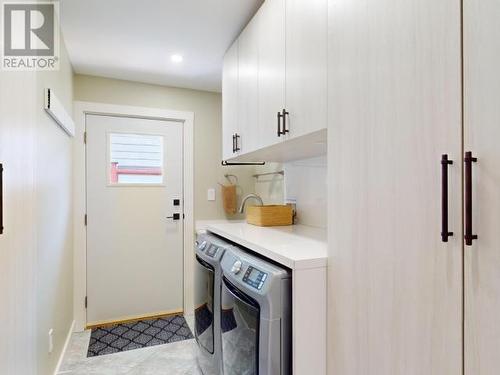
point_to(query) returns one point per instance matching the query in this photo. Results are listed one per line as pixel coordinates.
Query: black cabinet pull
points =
(233, 144)
(468, 160)
(279, 124)
(444, 198)
(283, 115)
(237, 143)
(1, 198)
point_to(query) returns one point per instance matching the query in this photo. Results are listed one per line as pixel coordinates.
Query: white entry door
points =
(134, 238)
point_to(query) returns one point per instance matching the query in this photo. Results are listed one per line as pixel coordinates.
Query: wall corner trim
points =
(65, 347)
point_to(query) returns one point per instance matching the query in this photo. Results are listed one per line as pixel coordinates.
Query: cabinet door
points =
(229, 101)
(271, 69)
(306, 65)
(248, 87)
(482, 136)
(395, 289)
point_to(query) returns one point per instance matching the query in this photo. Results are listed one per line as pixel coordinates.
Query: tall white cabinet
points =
(482, 138)
(395, 289)
(410, 82)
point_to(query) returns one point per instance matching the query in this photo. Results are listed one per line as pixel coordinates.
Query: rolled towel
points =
(229, 200)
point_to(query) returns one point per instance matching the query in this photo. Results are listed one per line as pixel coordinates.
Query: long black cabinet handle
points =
(283, 115)
(1, 198)
(469, 236)
(237, 143)
(445, 233)
(234, 147)
(279, 124)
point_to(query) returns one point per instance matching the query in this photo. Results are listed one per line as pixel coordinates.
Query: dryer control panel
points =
(254, 277)
(212, 251)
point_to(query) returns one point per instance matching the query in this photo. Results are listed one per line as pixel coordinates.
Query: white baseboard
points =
(65, 347)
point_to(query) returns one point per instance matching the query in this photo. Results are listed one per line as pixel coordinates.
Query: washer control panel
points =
(202, 245)
(254, 277)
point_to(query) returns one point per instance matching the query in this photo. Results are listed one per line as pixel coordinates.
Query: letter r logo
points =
(28, 29)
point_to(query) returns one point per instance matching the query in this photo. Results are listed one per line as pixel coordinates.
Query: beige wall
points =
(53, 215)
(17, 248)
(36, 271)
(207, 108)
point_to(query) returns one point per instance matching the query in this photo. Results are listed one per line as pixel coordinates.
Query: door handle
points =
(234, 147)
(444, 197)
(469, 236)
(175, 216)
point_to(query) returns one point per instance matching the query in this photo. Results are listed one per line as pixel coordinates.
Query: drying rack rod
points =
(269, 174)
(229, 164)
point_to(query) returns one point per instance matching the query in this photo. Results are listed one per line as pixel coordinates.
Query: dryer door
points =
(240, 321)
(204, 305)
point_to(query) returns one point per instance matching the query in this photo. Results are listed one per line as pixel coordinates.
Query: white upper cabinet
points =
(306, 66)
(230, 102)
(282, 68)
(248, 88)
(271, 69)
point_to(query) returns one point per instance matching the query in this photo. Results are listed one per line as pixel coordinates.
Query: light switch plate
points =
(211, 194)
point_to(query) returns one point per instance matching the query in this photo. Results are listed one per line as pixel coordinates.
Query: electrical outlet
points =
(51, 340)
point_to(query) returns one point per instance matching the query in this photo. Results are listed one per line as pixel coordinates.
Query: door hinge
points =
(85, 302)
(85, 137)
(85, 219)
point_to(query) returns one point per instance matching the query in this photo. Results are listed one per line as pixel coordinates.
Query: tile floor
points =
(173, 359)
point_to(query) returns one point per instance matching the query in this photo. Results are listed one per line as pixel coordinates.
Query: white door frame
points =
(81, 109)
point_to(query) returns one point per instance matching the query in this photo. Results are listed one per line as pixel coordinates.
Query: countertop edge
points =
(311, 263)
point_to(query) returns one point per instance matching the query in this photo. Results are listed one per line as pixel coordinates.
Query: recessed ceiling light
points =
(176, 58)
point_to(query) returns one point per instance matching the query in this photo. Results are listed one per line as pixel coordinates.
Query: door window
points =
(135, 159)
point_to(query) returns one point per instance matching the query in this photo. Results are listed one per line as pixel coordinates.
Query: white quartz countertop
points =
(294, 246)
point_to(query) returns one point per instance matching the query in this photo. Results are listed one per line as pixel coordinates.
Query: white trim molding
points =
(65, 348)
(81, 109)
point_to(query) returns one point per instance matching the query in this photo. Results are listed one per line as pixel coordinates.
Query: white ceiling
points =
(134, 39)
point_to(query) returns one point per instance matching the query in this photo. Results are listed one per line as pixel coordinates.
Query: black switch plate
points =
(177, 202)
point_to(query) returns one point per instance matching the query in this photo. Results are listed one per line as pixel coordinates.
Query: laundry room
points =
(249, 187)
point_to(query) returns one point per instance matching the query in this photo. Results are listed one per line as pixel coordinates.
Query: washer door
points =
(240, 317)
(204, 305)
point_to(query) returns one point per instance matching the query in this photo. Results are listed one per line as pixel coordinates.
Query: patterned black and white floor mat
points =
(138, 334)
